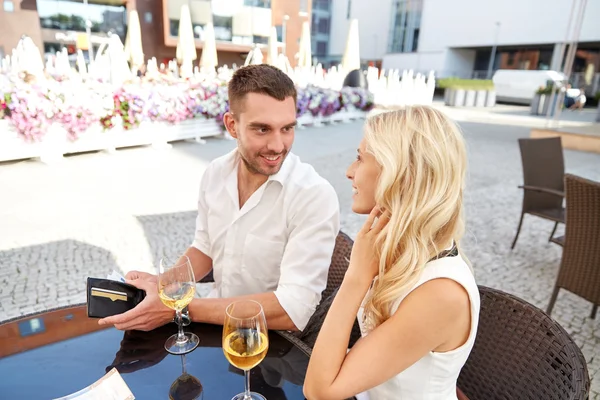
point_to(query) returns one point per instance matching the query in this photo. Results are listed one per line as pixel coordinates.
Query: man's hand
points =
(133, 275)
(149, 314)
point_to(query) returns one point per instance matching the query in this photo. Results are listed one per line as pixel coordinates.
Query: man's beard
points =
(254, 167)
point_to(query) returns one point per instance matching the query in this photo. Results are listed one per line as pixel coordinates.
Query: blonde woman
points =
(415, 296)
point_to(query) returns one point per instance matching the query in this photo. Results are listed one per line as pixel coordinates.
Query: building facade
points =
(456, 37)
(321, 30)
(238, 24)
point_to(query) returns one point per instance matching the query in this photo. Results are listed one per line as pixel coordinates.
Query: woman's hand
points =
(364, 261)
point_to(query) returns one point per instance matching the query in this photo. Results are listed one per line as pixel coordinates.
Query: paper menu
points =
(110, 387)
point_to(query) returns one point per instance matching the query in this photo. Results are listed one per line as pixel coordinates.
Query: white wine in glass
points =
(176, 289)
(245, 340)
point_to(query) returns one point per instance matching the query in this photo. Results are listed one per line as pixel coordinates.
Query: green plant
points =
(5, 100)
(544, 90)
(465, 84)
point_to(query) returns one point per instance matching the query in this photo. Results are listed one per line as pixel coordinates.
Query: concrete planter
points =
(456, 97)
(540, 104)
(458, 100)
(480, 98)
(545, 101)
(535, 104)
(470, 98)
(55, 142)
(490, 99)
(448, 94)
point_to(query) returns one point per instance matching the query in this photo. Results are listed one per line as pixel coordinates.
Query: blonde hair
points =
(423, 161)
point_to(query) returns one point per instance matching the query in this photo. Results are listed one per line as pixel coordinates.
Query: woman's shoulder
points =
(451, 274)
(452, 266)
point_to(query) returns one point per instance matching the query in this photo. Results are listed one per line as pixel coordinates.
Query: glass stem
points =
(180, 336)
(247, 395)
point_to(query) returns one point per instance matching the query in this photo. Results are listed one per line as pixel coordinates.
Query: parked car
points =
(519, 86)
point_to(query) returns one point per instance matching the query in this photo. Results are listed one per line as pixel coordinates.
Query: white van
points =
(519, 86)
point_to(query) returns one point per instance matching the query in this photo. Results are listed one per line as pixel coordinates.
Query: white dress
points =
(434, 376)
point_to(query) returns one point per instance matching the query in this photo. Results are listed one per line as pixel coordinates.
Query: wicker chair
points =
(579, 271)
(339, 264)
(521, 353)
(543, 188)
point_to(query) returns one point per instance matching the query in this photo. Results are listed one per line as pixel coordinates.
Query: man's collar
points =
(284, 172)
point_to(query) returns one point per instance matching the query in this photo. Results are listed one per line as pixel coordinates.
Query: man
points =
(266, 222)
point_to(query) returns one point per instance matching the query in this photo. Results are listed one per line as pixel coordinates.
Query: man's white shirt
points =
(280, 241)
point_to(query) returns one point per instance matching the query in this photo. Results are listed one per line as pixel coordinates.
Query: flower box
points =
(56, 142)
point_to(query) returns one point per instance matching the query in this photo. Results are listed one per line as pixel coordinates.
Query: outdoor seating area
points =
(543, 196)
(299, 200)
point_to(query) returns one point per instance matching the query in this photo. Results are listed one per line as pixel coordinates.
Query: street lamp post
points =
(493, 55)
(570, 57)
(88, 32)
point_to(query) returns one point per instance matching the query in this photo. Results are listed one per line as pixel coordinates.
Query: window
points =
(279, 29)
(415, 42)
(260, 39)
(148, 17)
(258, 3)
(321, 4)
(405, 26)
(223, 27)
(9, 6)
(71, 16)
(321, 49)
(323, 26)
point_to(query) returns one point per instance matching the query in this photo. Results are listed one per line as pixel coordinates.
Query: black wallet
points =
(106, 297)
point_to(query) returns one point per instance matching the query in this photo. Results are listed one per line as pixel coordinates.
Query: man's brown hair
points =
(262, 78)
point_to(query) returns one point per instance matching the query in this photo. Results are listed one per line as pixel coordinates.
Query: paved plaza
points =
(96, 212)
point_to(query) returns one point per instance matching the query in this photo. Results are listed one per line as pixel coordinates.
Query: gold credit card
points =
(109, 294)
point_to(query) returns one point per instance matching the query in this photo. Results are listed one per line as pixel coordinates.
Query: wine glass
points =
(176, 288)
(245, 340)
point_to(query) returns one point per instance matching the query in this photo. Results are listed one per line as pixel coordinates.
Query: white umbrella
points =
(272, 50)
(6, 64)
(152, 67)
(119, 70)
(284, 64)
(186, 45)
(29, 58)
(305, 53)
(254, 57)
(208, 58)
(351, 59)
(62, 65)
(133, 42)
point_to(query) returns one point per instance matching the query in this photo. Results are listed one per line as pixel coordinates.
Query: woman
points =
(415, 296)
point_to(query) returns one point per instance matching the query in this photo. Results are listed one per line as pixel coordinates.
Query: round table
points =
(61, 351)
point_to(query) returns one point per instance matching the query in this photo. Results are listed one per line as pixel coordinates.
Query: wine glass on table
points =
(245, 340)
(176, 289)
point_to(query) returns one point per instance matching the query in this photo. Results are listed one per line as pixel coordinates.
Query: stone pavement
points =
(97, 212)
